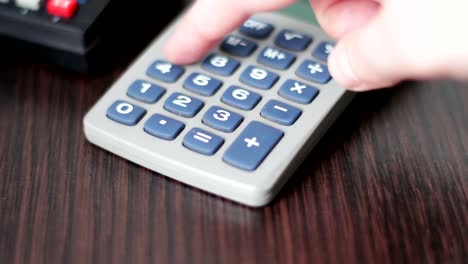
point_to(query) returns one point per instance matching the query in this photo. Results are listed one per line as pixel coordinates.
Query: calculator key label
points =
(202, 141)
(125, 113)
(182, 101)
(315, 68)
(164, 68)
(252, 146)
(219, 61)
(298, 87)
(240, 94)
(222, 119)
(145, 91)
(202, 137)
(221, 65)
(292, 35)
(280, 112)
(314, 71)
(144, 87)
(254, 24)
(292, 40)
(163, 127)
(276, 58)
(165, 71)
(183, 105)
(240, 98)
(256, 29)
(323, 50)
(258, 74)
(202, 84)
(274, 54)
(238, 46)
(251, 142)
(298, 92)
(221, 115)
(259, 78)
(201, 80)
(281, 108)
(124, 108)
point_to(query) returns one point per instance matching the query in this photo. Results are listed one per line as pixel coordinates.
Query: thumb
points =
(370, 57)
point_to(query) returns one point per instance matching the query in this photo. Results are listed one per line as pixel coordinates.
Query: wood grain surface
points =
(387, 184)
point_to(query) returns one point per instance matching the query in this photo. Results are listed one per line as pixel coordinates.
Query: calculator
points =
(236, 124)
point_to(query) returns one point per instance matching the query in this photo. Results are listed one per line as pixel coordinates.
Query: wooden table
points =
(387, 184)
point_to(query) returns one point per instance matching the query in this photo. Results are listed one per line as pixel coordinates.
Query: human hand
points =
(380, 42)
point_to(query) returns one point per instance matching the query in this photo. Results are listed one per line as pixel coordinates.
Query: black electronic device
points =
(80, 34)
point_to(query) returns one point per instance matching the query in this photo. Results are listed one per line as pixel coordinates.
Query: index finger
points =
(208, 21)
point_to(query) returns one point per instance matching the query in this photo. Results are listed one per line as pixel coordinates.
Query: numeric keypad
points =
(257, 139)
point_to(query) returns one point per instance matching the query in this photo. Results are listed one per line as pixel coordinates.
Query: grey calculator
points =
(236, 124)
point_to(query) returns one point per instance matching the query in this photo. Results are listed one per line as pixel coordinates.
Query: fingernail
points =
(340, 68)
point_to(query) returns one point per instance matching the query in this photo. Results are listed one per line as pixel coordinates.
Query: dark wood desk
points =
(388, 184)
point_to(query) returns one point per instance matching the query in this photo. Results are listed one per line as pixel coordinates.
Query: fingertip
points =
(341, 69)
(338, 17)
(344, 74)
(177, 51)
(170, 53)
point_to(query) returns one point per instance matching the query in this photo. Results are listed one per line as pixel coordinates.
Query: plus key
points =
(252, 146)
(251, 142)
(314, 71)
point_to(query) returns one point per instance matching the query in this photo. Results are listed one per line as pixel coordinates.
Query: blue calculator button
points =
(298, 92)
(293, 40)
(125, 113)
(323, 50)
(202, 141)
(276, 58)
(258, 77)
(145, 91)
(256, 29)
(314, 71)
(165, 71)
(221, 65)
(238, 46)
(280, 112)
(252, 146)
(222, 119)
(183, 105)
(240, 98)
(163, 127)
(202, 84)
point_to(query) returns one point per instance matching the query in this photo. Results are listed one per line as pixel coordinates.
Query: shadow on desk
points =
(387, 184)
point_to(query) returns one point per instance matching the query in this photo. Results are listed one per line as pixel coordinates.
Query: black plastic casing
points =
(92, 39)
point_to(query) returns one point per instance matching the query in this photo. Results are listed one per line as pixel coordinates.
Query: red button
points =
(62, 8)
